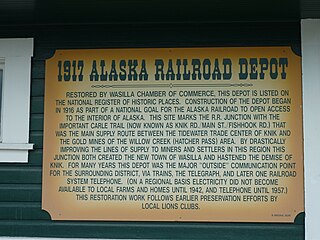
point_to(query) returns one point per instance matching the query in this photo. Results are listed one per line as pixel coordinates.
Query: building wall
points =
(20, 184)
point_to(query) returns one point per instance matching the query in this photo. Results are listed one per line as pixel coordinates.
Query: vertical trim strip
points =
(310, 30)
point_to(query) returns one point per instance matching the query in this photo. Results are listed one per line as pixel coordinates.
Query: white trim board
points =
(310, 37)
(15, 55)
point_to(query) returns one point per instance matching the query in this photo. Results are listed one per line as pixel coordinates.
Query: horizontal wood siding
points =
(20, 184)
